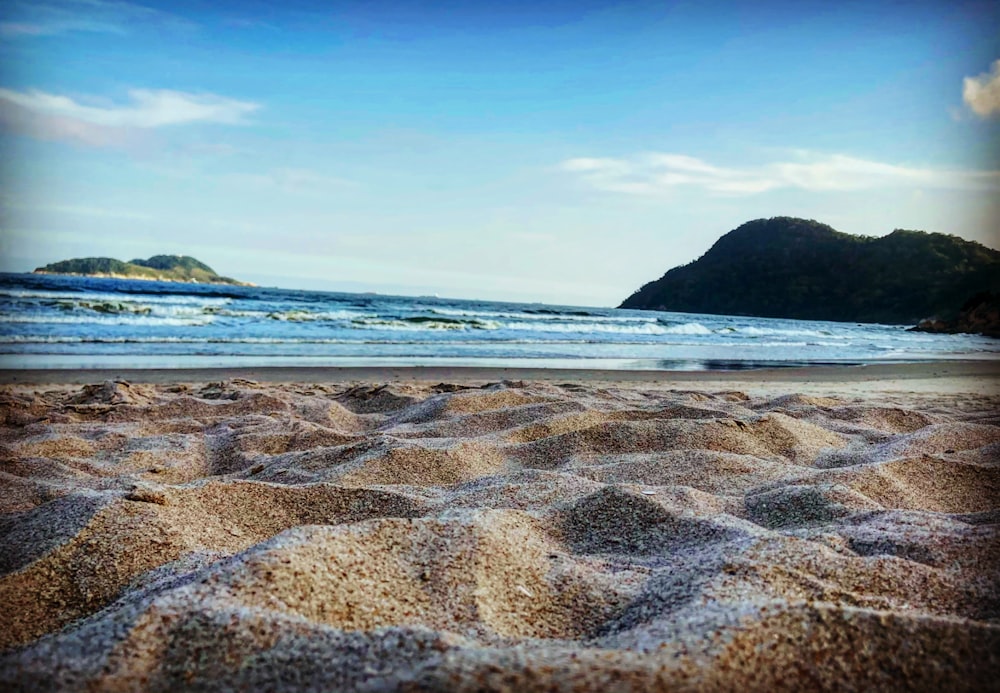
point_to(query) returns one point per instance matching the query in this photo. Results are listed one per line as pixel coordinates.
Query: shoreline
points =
(930, 370)
(113, 275)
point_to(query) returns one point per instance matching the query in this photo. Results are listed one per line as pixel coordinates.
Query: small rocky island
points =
(164, 268)
(979, 315)
(785, 267)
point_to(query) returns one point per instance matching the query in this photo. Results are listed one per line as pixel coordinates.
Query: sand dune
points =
(515, 536)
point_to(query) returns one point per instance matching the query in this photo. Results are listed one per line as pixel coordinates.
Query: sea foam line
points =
(99, 319)
(97, 296)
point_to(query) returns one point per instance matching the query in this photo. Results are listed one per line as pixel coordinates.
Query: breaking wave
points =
(69, 314)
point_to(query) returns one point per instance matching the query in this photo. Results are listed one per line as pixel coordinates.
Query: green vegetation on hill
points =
(171, 268)
(796, 268)
(175, 263)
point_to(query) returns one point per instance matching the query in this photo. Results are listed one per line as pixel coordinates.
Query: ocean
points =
(49, 321)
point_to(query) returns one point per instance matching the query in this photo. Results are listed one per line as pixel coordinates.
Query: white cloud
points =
(659, 173)
(149, 108)
(982, 93)
(57, 17)
(54, 117)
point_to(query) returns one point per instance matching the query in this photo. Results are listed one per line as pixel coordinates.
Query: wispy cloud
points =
(55, 117)
(149, 108)
(656, 173)
(9, 29)
(26, 19)
(982, 93)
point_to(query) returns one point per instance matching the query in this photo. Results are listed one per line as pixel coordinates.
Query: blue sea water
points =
(49, 321)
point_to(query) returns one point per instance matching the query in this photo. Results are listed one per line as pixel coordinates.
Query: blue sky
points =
(563, 154)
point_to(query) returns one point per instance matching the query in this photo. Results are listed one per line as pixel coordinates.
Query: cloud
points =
(982, 93)
(21, 120)
(9, 29)
(57, 17)
(658, 173)
(54, 117)
(149, 108)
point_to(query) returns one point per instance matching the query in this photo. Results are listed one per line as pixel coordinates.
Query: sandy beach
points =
(500, 529)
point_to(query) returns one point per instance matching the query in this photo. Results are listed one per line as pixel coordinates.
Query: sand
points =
(386, 530)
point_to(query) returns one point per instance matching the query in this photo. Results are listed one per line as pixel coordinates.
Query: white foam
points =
(95, 318)
(111, 297)
(406, 326)
(688, 328)
(774, 331)
(294, 315)
(540, 317)
(40, 339)
(647, 328)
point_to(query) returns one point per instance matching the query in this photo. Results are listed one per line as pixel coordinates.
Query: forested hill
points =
(171, 268)
(798, 268)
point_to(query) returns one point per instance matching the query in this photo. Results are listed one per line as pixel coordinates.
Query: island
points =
(784, 267)
(979, 315)
(164, 268)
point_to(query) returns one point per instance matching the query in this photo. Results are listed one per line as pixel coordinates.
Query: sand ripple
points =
(510, 537)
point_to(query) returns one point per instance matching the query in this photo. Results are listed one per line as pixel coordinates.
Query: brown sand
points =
(561, 533)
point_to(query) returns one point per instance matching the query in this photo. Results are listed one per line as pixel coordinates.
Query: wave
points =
(97, 296)
(40, 307)
(139, 314)
(688, 328)
(58, 311)
(647, 328)
(107, 307)
(330, 324)
(775, 331)
(43, 339)
(541, 315)
(74, 339)
(66, 339)
(128, 308)
(291, 315)
(101, 319)
(551, 311)
(443, 323)
(423, 323)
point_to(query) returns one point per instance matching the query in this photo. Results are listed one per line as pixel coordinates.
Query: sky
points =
(559, 152)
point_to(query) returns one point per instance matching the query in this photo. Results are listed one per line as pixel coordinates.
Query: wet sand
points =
(943, 375)
(472, 529)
